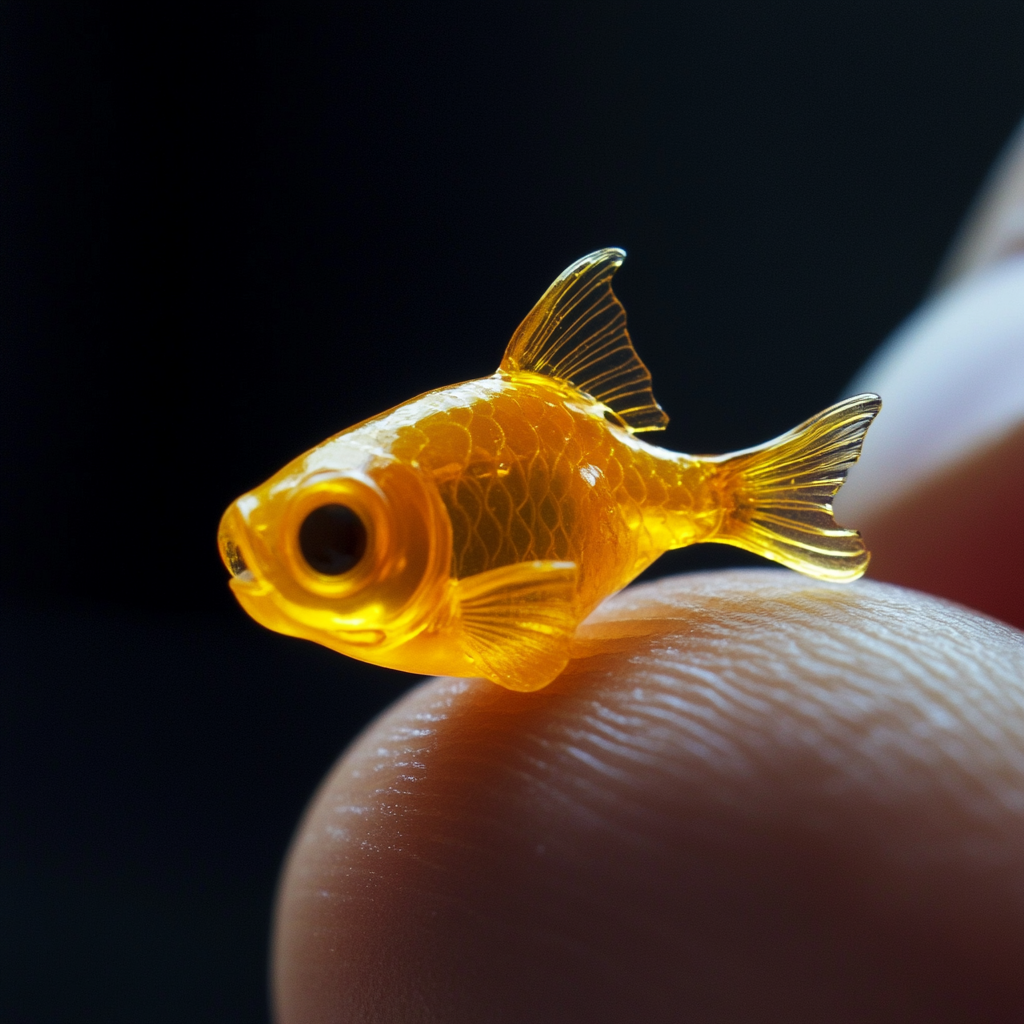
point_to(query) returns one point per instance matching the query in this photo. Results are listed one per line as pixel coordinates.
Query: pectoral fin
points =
(518, 621)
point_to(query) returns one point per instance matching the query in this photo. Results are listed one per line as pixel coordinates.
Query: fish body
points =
(470, 530)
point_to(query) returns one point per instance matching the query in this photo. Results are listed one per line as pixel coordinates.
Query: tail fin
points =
(782, 493)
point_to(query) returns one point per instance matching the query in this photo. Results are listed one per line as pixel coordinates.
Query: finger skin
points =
(960, 534)
(939, 492)
(762, 798)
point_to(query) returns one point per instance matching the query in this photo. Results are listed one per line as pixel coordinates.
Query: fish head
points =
(347, 549)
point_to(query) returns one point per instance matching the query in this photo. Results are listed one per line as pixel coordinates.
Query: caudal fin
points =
(780, 493)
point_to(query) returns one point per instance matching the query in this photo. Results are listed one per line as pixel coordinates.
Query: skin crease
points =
(757, 798)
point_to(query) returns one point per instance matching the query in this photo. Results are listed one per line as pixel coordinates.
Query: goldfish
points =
(469, 531)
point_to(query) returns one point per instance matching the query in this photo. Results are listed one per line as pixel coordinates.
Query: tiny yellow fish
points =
(469, 531)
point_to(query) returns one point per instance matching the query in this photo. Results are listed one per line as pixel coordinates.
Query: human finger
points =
(762, 798)
(939, 492)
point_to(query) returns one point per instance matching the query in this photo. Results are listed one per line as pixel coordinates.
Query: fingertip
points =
(773, 799)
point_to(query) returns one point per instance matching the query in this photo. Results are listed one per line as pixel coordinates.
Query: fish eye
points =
(332, 539)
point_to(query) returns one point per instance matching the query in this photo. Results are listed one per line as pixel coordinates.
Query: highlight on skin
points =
(469, 531)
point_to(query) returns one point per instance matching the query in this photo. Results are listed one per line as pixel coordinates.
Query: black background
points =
(230, 230)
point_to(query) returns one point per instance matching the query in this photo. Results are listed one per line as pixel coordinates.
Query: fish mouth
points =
(235, 561)
(242, 577)
(232, 553)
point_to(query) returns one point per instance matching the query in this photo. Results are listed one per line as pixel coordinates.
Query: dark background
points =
(230, 230)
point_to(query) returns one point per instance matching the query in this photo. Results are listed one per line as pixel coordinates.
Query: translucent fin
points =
(518, 621)
(782, 493)
(577, 333)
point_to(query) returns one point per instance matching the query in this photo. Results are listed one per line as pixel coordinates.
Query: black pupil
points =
(332, 539)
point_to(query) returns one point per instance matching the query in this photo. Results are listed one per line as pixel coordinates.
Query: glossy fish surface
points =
(469, 531)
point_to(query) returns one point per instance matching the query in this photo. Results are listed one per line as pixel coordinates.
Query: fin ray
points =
(783, 490)
(518, 621)
(577, 333)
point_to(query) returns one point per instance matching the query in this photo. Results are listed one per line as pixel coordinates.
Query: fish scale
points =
(532, 468)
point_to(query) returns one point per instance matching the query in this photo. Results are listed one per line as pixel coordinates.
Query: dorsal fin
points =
(577, 333)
